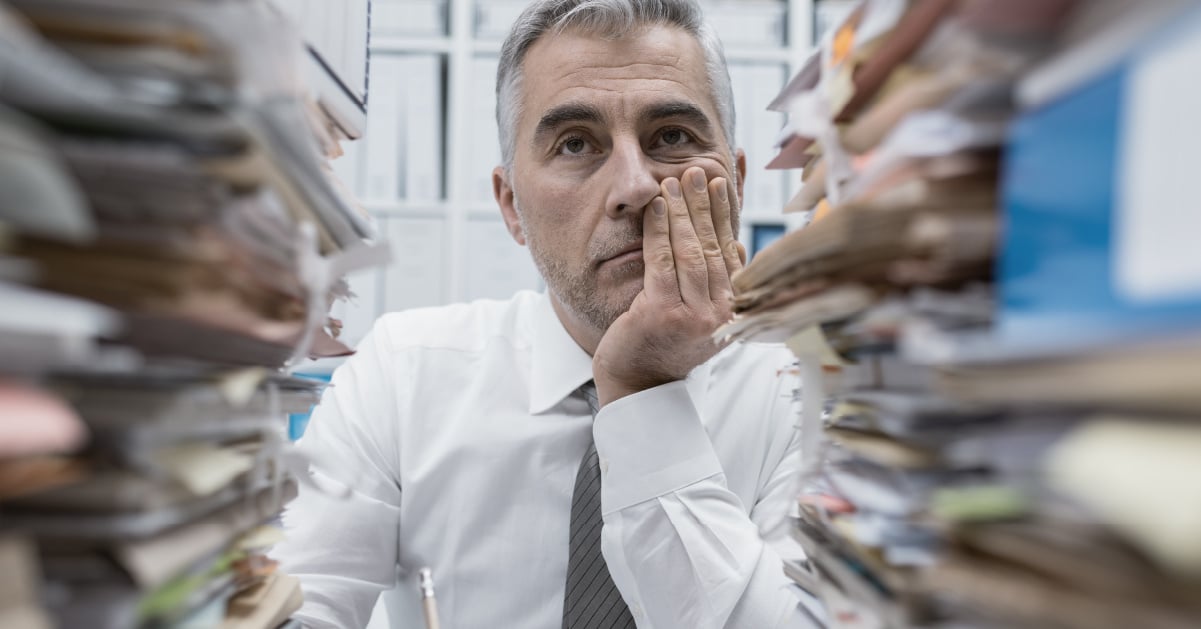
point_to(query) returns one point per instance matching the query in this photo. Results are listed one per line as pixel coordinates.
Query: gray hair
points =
(610, 19)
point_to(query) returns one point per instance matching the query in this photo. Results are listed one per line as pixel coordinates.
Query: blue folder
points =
(1061, 194)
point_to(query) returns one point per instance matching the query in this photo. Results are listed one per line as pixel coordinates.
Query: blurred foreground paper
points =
(1141, 476)
(34, 422)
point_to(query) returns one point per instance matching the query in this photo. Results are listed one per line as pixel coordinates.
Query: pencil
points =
(428, 602)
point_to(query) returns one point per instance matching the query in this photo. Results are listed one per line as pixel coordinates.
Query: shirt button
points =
(636, 610)
(604, 466)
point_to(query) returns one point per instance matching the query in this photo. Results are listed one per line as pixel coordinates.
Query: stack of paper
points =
(171, 239)
(955, 478)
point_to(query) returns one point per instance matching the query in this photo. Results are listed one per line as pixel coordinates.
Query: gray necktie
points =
(592, 600)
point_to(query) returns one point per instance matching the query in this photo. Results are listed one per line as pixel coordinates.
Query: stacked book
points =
(171, 240)
(1002, 426)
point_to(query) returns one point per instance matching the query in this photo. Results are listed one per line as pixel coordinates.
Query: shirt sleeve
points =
(682, 548)
(344, 550)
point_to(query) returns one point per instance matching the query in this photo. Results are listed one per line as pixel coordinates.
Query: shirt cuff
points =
(651, 443)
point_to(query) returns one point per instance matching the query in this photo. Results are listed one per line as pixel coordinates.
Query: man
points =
(467, 434)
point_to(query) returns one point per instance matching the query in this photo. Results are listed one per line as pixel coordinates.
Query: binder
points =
(408, 18)
(421, 111)
(493, 19)
(496, 266)
(753, 23)
(485, 155)
(754, 85)
(385, 136)
(417, 277)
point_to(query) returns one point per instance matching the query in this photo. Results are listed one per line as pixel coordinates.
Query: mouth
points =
(629, 254)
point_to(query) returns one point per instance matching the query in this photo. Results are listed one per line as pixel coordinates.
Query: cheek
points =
(712, 166)
(558, 216)
(714, 169)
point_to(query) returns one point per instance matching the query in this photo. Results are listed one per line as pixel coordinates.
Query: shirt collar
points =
(559, 364)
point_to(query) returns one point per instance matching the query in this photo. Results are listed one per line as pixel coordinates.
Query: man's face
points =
(602, 123)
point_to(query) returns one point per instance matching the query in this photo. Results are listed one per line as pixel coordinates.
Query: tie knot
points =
(588, 390)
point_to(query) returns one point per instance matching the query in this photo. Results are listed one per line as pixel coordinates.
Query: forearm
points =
(694, 559)
(340, 550)
(682, 548)
(344, 550)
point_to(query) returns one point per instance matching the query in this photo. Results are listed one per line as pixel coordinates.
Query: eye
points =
(674, 137)
(574, 145)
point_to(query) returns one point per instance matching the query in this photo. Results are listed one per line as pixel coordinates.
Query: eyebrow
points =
(587, 113)
(679, 110)
(564, 114)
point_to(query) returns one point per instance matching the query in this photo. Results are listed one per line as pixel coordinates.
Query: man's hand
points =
(689, 252)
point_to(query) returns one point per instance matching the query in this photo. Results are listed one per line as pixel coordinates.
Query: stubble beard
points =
(579, 289)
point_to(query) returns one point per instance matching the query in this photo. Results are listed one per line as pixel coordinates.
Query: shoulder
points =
(464, 327)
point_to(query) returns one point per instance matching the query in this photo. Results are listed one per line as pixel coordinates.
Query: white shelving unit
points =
(439, 57)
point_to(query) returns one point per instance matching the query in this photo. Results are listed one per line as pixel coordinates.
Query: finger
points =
(659, 277)
(700, 207)
(691, 273)
(725, 204)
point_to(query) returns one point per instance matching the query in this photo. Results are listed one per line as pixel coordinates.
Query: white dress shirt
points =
(459, 434)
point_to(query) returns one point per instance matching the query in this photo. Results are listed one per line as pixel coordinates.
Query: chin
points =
(624, 292)
(618, 290)
(602, 298)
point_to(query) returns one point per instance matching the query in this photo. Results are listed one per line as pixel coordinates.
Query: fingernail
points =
(673, 186)
(659, 206)
(721, 190)
(698, 180)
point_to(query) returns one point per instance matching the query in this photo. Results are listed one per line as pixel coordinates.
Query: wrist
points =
(610, 388)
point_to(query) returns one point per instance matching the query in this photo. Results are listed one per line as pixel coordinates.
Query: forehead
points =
(617, 75)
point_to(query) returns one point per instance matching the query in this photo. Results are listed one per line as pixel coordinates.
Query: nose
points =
(634, 182)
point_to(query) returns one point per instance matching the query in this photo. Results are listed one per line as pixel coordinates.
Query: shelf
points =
(443, 45)
(781, 55)
(487, 46)
(392, 45)
(432, 208)
(408, 208)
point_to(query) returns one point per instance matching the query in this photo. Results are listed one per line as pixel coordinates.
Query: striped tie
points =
(592, 600)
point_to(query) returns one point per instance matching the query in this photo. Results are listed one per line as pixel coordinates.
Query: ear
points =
(502, 190)
(740, 165)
